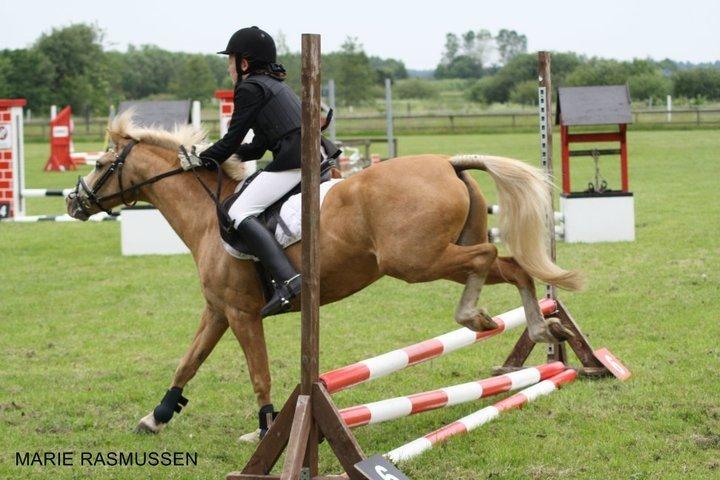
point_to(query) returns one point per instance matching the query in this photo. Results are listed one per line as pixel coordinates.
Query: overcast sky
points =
(413, 31)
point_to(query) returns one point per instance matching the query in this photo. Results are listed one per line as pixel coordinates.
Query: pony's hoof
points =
(552, 331)
(252, 437)
(148, 424)
(558, 330)
(481, 321)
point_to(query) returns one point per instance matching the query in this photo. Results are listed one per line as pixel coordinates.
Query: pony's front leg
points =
(211, 329)
(248, 328)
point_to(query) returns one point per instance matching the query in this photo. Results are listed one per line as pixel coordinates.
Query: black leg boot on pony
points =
(264, 246)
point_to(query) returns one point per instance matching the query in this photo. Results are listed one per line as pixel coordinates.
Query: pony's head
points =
(140, 156)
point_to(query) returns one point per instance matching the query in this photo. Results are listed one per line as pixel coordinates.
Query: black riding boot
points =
(264, 246)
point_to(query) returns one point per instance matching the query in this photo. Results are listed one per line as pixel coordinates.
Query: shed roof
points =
(165, 114)
(598, 105)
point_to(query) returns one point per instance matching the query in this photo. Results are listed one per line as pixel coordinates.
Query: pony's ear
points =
(117, 138)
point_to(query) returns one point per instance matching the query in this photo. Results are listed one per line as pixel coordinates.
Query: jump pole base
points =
(594, 362)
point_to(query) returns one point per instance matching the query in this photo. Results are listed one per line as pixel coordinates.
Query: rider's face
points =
(232, 69)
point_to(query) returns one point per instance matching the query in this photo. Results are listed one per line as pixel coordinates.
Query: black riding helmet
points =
(253, 44)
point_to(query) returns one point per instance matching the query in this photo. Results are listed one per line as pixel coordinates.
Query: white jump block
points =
(144, 231)
(607, 217)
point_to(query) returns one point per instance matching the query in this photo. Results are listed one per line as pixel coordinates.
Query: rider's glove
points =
(190, 160)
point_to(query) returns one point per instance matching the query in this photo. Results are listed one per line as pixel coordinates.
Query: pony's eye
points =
(98, 166)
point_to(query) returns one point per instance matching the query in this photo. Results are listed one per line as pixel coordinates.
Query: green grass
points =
(90, 340)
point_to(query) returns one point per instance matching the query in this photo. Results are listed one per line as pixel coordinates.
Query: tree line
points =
(70, 66)
(501, 71)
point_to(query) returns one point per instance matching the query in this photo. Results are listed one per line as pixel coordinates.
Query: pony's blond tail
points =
(524, 203)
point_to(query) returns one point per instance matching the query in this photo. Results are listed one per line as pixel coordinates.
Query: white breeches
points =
(263, 191)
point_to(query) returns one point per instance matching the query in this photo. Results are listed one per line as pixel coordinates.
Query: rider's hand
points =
(190, 160)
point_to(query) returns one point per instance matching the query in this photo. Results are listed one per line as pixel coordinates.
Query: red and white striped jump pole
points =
(398, 407)
(474, 420)
(397, 360)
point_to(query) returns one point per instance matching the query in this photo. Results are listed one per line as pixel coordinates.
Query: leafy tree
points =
(599, 72)
(649, 85)
(79, 65)
(510, 44)
(5, 68)
(525, 93)
(452, 47)
(563, 63)
(146, 70)
(292, 64)
(522, 67)
(483, 47)
(468, 46)
(27, 74)
(488, 90)
(353, 74)
(193, 79)
(388, 68)
(697, 83)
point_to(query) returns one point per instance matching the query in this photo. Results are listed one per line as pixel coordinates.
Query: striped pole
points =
(98, 217)
(495, 209)
(474, 420)
(398, 407)
(397, 360)
(45, 192)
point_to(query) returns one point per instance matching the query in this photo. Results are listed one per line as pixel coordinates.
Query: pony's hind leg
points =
(507, 270)
(469, 265)
(211, 329)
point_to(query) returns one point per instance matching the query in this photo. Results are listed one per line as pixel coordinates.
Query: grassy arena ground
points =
(90, 340)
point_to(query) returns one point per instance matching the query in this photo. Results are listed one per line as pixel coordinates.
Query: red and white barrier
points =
(12, 180)
(397, 360)
(398, 407)
(62, 154)
(474, 420)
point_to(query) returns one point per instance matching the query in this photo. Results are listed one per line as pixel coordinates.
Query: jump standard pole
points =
(596, 363)
(309, 412)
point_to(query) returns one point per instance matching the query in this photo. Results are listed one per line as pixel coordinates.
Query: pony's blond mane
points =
(123, 126)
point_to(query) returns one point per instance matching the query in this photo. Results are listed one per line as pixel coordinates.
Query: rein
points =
(91, 199)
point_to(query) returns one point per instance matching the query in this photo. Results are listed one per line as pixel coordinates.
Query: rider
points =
(266, 104)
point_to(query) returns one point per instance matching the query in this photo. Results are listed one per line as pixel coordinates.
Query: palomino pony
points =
(417, 218)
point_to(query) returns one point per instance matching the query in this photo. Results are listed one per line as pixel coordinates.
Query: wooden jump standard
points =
(309, 411)
(595, 363)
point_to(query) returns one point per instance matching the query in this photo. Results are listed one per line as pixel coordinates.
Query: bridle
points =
(90, 197)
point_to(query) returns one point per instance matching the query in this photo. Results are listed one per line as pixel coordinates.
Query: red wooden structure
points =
(226, 108)
(11, 157)
(602, 105)
(61, 128)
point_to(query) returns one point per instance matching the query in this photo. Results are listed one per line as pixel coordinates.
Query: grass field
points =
(90, 339)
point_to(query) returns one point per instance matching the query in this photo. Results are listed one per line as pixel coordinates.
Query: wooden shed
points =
(595, 105)
(164, 114)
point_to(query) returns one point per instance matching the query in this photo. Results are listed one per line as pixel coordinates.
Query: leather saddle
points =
(270, 218)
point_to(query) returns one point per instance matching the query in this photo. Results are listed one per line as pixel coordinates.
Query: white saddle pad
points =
(291, 214)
